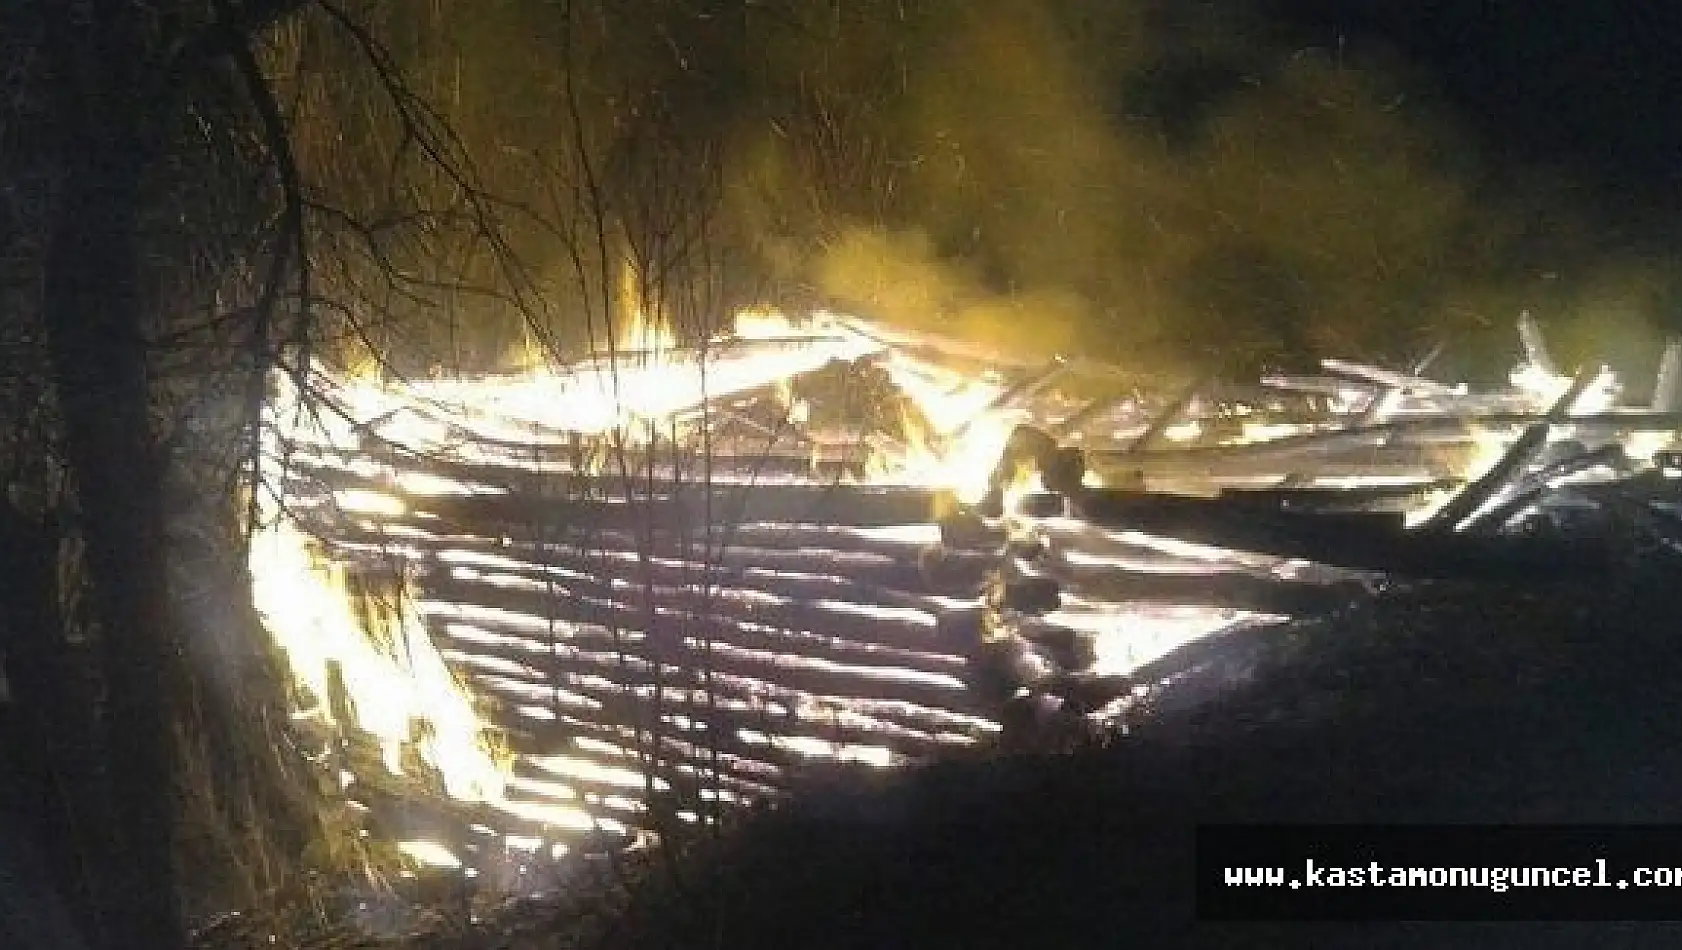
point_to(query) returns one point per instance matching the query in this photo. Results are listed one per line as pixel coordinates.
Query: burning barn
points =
(653, 583)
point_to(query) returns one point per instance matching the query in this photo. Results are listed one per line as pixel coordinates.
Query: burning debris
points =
(646, 586)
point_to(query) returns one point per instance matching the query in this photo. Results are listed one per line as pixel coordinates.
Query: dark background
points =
(1590, 88)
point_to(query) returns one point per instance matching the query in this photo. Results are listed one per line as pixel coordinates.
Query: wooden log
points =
(1460, 509)
(1452, 429)
(1361, 498)
(671, 507)
(621, 696)
(1147, 553)
(738, 697)
(1162, 420)
(695, 615)
(675, 749)
(1361, 541)
(710, 575)
(1389, 379)
(720, 729)
(695, 509)
(834, 568)
(1225, 589)
(806, 675)
(1071, 426)
(826, 557)
(735, 623)
(1320, 385)
(711, 351)
(568, 471)
(1126, 509)
(1537, 488)
(682, 640)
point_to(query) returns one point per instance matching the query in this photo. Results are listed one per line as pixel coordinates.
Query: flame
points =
(400, 689)
(964, 436)
(644, 328)
(932, 458)
(1543, 387)
(1025, 483)
(953, 441)
(646, 378)
(392, 673)
(304, 604)
(764, 323)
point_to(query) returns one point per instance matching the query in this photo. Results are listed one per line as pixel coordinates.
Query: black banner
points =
(1439, 872)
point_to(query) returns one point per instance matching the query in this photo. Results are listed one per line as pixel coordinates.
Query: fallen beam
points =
(1361, 541)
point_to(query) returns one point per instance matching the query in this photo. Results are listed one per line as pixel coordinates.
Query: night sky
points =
(1591, 89)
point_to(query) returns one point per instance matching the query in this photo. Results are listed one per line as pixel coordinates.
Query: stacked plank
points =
(725, 633)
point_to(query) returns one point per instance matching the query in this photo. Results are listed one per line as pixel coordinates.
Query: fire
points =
(647, 384)
(647, 381)
(644, 328)
(933, 457)
(758, 323)
(965, 434)
(304, 604)
(1537, 382)
(399, 688)
(647, 378)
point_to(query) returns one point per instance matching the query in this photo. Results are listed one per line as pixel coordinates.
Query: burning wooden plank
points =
(1362, 541)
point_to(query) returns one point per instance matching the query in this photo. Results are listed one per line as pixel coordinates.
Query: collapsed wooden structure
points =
(652, 621)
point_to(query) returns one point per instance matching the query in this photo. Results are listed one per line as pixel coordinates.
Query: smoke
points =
(1147, 181)
(899, 277)
(1164, 182)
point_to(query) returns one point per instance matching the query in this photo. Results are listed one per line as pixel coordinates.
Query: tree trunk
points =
(47, 734)
(92, 306)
